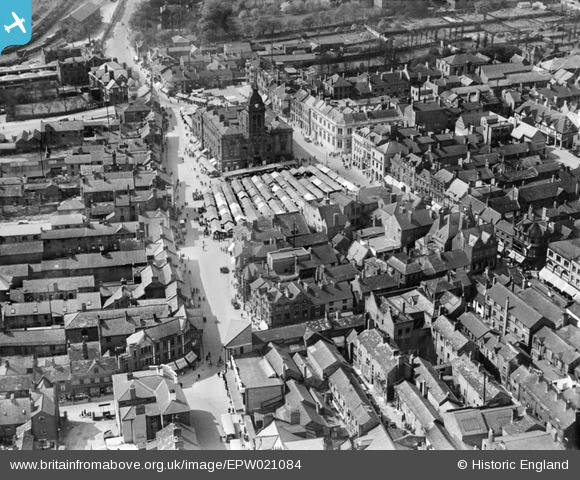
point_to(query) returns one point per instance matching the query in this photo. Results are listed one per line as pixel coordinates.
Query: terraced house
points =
(558, 127)
(333, 123)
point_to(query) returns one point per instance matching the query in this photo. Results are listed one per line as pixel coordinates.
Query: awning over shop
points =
(236, 444)
(553, 279)
(570, 290)
(181, 364)
(339, 341)
(191, 357)
(235, 395)
(228, 424)
(519, 258)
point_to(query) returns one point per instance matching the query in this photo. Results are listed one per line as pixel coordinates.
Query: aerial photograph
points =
(290, 225)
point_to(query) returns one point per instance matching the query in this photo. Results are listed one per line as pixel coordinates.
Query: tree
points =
(262, 25)
(417, 9)
(164, 38)
(308, 21)
(502, 53)
(482, 8)
(316, 20)
(217, 15)
(292, 26)
(239, 6)
(297, 7)
(325, 19)
(275, 26)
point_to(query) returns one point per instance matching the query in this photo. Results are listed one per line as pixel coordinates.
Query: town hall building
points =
(243, 136)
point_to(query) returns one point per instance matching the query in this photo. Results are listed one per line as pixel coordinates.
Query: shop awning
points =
(339, 341)
(236, 444)
(553, 279)
(181, 364)
(570, 290)
(235, 395)
(228, 424)
(519, 258)
(191, 357)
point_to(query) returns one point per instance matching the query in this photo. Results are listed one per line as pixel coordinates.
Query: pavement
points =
(119, 45)
(203, 387)
(565, 157)
(84, 433)
(204, 257)
(304, 149)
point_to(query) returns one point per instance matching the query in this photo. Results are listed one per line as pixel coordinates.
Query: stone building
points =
(243, 136)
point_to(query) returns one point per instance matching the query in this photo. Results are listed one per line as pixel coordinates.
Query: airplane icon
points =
(18, 22)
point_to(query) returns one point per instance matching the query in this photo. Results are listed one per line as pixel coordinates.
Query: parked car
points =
(235, 304)
(224, 270)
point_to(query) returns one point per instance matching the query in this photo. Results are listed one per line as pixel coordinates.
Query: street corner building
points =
(243, 136)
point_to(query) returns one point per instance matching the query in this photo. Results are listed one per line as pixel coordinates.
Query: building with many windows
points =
(243, 136)
(562, 268)
(333, 123)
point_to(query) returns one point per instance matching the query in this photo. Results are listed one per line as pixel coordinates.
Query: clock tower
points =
(256, 113)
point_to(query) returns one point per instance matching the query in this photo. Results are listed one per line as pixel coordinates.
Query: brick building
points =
(244, 136)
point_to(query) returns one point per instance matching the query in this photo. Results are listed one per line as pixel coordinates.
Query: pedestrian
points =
(198, 376)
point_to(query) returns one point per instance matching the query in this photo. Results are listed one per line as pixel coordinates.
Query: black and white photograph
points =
(291, 225)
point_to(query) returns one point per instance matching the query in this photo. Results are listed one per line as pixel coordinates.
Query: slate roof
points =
(447, 329)
(45, 337)
(423, 411)
(378, 350)
(354, 399)
(15, 411)
(474, 324)
(83, 12)
(256, 371)
(517, 307)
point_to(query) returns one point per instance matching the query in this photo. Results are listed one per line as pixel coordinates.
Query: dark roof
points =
(47, 336)
(84, 11)
(378, 282)
(474, 324)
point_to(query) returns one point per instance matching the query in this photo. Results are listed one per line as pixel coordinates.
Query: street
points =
(203, 258)
(304, 149)
(565, 157)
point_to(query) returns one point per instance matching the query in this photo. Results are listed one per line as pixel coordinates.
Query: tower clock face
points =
(257, 105)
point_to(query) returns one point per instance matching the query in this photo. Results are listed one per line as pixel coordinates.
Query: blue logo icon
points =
(15, 22)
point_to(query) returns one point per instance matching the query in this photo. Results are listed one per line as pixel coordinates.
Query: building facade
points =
(243, 137)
